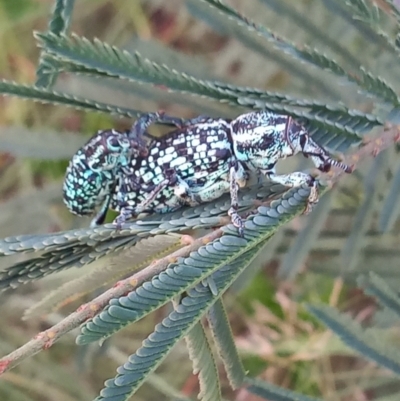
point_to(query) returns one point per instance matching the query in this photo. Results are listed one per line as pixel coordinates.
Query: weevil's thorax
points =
(262, 138)
(93, 170)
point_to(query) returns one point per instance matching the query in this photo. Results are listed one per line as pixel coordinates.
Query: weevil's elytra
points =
(197, 162)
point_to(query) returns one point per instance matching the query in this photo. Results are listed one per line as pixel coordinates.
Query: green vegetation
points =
(330, 63)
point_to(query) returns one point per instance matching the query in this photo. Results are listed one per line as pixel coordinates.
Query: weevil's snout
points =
(325, 162)
(320, 157)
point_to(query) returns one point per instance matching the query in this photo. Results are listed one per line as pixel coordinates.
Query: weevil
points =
(197, 162)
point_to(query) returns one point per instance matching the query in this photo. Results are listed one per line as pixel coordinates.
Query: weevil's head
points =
(259, 138)
(94, 169)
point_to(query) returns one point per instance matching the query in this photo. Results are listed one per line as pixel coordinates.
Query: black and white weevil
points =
(197, 162)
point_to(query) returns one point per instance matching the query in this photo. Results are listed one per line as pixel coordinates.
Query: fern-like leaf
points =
(308, 55)
(106, 270)
(370, 15)
(43, 95)
(80, 247)
(391, 206)
(294, 259)
(228, 27)
(104, 60)
(357, 338)
(377, 287)
(101, 58)
(59, 24)
(350, 253)
(367, 13)
(306, 24)
(179, 277)
(377, 87)
(270, 392)
(167, 333)
(204, 364)
(225, 343)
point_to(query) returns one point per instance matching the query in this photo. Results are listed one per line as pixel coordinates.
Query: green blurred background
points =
(277, 339)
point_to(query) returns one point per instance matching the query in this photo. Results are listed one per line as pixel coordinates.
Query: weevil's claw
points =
(119, 221)
(313, 198)
(236, 220)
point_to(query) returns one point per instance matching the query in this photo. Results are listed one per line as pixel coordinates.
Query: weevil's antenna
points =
(342, 166)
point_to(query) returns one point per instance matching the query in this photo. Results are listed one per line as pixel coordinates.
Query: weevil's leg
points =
(198, 194)
(197, 120)
(193, 194)
(142, 206)
(129, 211)
(102, 213)
(296, 179)
(184, 193)
(140, 126)
(145, 120)
(237, 179)
(182, 123)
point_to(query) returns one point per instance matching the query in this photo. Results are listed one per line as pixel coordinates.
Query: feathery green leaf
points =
(271, 392)
(227, 26)
(59, 24)
(180, 276)
(78, 248)
(350, 253)
(105, 270)
(223, 338)
(367, 82)
(391, 206)
(357, 338)
(175, 326)
(370, 15)
(43, 95)
(377, 287)
(99, 57)
(204, 364)
(318, 33)
(294, 259)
